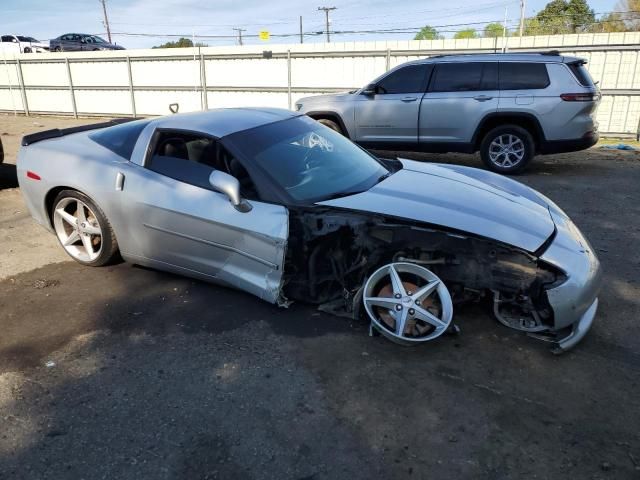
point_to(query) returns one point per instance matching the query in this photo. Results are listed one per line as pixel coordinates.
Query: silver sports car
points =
(273, 203)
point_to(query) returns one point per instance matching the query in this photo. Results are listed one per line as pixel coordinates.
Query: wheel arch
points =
(330, 115)
(525, 120)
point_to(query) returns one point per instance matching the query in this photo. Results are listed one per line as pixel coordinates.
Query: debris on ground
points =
(620, 146)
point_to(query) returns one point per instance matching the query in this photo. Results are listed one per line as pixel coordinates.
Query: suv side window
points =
(409, 79)
(7, 38)
(523, 76)
(465, 77)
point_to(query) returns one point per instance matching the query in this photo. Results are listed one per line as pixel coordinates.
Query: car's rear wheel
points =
(57, 49)
(331, 124)
(83, 229)
(27, 50)
(507, 149)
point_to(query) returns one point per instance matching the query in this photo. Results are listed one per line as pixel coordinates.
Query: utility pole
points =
(504, 32)
(301, 37)
(522, 7)
(326, 14)
(240, 30)
(106, 18)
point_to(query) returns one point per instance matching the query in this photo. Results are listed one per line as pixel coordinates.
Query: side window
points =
(120, 139)
(465, 77)
(523, 76)
(409, 79)
(190, 158)
(6, 38)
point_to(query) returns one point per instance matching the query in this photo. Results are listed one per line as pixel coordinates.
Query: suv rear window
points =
(120, 139)
(465, 77)
(523, 76)
(409, 79)
(581, 73)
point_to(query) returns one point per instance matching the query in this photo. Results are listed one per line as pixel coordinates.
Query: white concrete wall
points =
(161, 77)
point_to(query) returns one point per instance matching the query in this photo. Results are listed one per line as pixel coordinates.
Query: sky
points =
(45, 19)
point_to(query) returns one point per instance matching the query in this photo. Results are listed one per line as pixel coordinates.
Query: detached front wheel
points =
(507, 149)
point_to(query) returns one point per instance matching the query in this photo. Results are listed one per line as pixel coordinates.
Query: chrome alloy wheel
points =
(506, 150)
(407, 303)
(77, 229)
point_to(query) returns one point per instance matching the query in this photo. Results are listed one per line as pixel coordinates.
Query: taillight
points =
(580, 97)
(33, 176)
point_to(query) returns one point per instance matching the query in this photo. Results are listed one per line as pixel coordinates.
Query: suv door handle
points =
(409, 99)
(482, 98)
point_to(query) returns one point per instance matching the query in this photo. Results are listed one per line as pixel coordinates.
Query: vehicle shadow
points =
(8, 176)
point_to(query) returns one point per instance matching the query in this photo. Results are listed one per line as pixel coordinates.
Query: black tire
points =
(57, 49)
(26, 50)
(109, 252)
(331, 124)
(518, 134)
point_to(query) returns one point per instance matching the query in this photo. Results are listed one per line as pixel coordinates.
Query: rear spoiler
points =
(61, 132)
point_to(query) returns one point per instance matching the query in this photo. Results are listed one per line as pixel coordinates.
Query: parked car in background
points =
(81, 42)
(507, 106)
(21, 44)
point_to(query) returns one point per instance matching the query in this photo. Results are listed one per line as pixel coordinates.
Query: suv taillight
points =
(580, 97)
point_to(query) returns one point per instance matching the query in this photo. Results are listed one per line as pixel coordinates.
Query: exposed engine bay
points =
(333, 254)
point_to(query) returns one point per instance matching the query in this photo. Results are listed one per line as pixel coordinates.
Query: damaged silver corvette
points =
(282, 207)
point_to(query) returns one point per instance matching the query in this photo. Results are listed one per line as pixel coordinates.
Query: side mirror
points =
(370, 90)
(229, 186)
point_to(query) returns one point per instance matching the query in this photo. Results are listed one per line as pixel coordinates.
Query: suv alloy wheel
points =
(507, 149)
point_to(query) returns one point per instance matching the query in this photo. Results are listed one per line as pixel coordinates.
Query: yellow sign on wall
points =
(264, 35)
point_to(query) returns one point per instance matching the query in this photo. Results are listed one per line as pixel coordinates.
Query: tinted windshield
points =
(309, 161)
(26, 39)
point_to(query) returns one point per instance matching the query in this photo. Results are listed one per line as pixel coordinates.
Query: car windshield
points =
(26, 39)
(309, 161)
(96, 39)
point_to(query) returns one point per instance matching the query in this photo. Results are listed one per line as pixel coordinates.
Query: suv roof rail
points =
(550, 53)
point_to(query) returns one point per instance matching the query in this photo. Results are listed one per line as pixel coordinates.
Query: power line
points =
(451, 28)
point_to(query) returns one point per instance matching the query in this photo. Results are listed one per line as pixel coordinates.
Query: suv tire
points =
(507, 149)
(331, 124)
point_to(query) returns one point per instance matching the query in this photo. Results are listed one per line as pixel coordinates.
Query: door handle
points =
(409, 99)
(482, 98)
(119, 181)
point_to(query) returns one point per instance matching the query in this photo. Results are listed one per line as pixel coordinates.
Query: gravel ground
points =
(126, 372)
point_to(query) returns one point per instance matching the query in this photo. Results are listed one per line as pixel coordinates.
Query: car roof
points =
(545, 57)
(221, 122)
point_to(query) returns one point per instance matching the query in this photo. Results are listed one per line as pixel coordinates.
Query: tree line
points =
(558, 17)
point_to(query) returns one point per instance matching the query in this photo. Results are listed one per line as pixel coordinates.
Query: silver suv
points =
(507, 106)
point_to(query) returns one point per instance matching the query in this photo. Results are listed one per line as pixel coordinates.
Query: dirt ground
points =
(126, 372)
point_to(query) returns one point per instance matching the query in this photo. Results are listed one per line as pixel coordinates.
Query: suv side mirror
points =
(370, 90)
(229, 186)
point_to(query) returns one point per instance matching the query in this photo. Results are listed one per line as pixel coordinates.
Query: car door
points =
(66, 43)
(10, 43)
(174, 220)
(460, 95)
(389, 114)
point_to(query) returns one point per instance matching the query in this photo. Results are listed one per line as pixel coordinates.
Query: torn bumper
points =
(575, 301)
